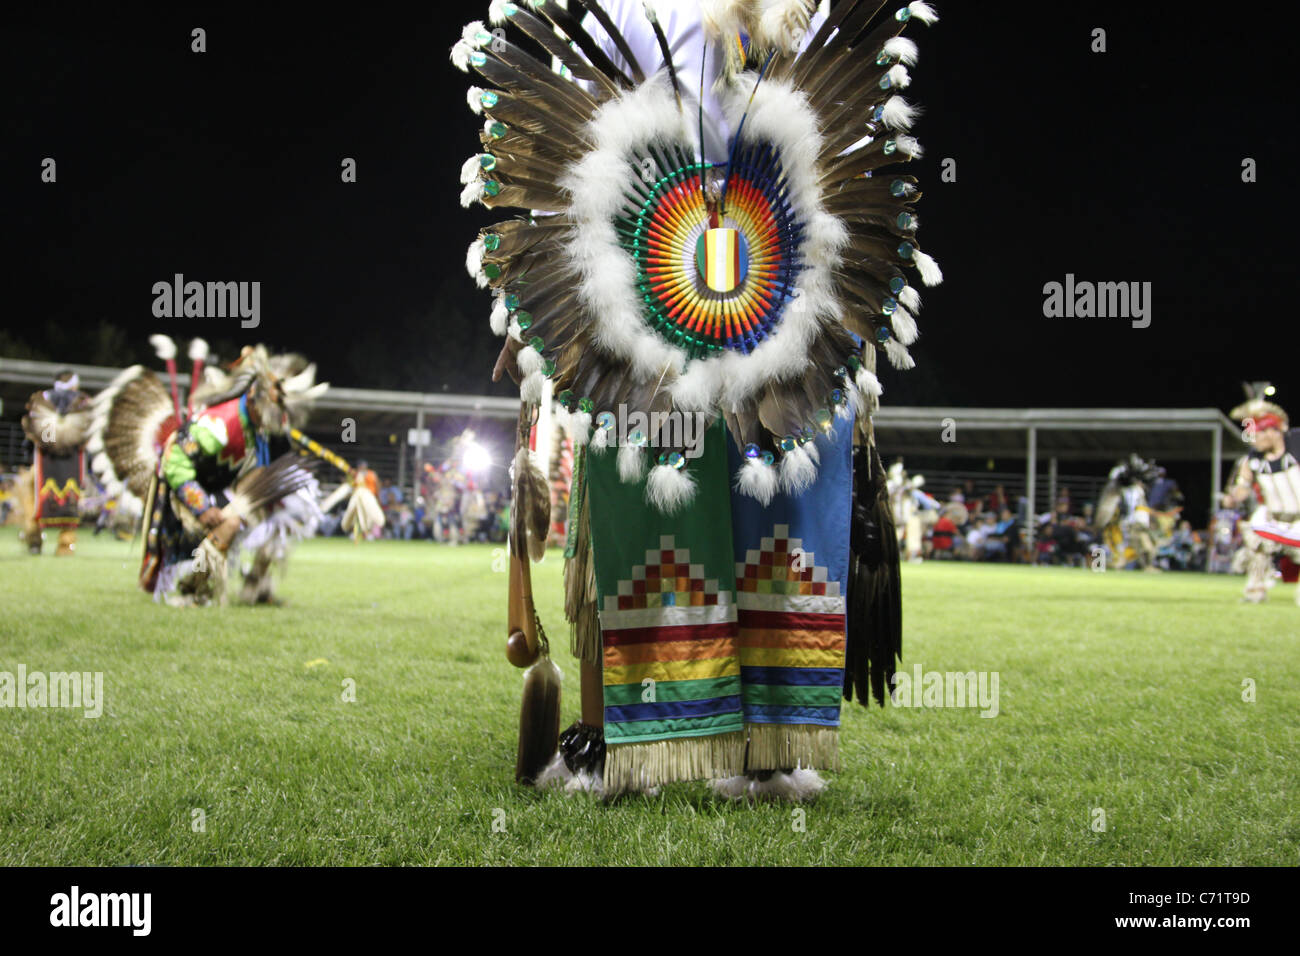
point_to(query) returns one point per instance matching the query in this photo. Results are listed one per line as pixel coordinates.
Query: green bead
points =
(823, 418)
(497, 130)
(787, 443)
(492, 187)
(565, 398)
(548, 367)
(524, 320)
(537, 343)
(586, 405)
(491, 242)
(905, 250)
(489, 99)
(488, 162)
(512, 301)
(903, 15)
(491, 270)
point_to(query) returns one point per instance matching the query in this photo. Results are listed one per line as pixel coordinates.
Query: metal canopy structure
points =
(1054, 434)
(1057, 434)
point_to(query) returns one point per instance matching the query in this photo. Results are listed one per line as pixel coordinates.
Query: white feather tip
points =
(163, 345)
(669, 488)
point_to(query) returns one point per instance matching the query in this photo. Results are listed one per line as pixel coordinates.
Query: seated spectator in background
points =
(976, 536)
(1070, 549)
(1045, 542)
(942, 536)
(1004, 540)
(997, 500)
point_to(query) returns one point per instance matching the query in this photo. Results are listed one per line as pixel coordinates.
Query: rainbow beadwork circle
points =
(712, 275)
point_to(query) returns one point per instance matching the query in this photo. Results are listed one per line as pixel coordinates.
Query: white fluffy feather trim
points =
(530, 388)
(460, 55)
(784, 23)
(471, 194)
(580, 427)
(557, 776)
(797, 471)
(631, 462)
(797, 786)
(901, 49)
(899, 357)
(867, 383)
(163, 346)
(909, 145)
(758, 480)
(923, 12)
(904, 326)
(669, 488)
(910, 298)
(198, 350)
(474, 97)
(897, 113)
(469, 169)
(529, 360)
(470, 33)
(500, 316)
(474, 262)
(497, 12)
(931, 274)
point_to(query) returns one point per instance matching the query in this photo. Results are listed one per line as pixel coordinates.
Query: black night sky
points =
(1116, 166)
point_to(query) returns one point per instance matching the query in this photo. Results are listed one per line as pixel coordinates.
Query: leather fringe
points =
(580, 594)
(786, 746)
(641, 766)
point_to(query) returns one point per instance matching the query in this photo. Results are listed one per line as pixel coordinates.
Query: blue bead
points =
(897, 284)
(752, 450)
(768, 458)
(883, 334)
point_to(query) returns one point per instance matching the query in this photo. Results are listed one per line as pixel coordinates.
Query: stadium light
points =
(475, 459)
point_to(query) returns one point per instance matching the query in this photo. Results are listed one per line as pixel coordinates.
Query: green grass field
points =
(1119, 691)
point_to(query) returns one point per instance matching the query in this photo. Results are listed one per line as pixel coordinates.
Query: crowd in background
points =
(448, 508)
(994, 527)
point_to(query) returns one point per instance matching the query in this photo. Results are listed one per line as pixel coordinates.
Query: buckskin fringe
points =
(641, 766)
(786, 746)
